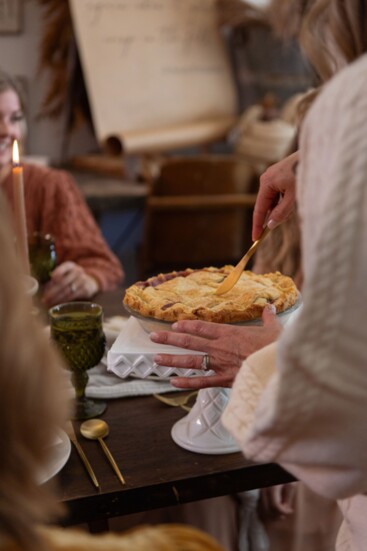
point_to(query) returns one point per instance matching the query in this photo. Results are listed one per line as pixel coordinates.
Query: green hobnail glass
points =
(76, 328)
(42, 256)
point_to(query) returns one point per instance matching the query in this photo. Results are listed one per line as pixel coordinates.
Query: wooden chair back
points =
(198, 213)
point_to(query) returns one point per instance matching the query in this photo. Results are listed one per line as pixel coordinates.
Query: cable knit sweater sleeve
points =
(55, 205)
(309, 412)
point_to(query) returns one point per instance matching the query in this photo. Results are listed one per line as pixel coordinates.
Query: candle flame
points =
(15, 153)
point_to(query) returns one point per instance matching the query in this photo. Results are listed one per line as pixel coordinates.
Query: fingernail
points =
(157, 359)
(271, 308)
(272, 224)
(174, 325)
(153, 336)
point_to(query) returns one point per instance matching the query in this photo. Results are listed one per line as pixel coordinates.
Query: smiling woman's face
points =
(11, 119)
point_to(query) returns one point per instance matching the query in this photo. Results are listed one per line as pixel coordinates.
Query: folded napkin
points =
(104, 384)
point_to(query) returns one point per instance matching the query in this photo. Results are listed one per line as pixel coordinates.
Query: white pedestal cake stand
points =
(201, 430)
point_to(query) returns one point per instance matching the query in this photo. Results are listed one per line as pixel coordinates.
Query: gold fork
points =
(177, 401)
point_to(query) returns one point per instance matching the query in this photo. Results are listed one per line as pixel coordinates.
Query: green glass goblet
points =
(42, 256)
(76, 328)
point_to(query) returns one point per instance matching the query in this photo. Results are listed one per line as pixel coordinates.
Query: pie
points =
(190, 294)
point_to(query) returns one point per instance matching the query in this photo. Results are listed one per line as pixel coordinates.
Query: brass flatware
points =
(71, 434)
(97, 429)
(235, 274)
(177, 401)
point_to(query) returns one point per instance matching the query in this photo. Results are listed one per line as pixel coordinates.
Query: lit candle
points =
(19, 209)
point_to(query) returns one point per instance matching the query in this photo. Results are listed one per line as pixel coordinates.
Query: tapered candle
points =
(19, 209)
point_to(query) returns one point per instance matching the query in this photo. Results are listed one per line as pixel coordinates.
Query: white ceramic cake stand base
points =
(201, 430)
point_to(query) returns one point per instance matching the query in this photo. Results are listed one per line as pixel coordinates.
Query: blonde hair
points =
(333, 34)
(32, 403)
(285, 17)
(161, 537)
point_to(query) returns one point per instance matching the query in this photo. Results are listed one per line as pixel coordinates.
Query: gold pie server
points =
(179, 401)
(235, 274)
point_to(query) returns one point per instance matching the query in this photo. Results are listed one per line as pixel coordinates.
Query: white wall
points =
(19, 56)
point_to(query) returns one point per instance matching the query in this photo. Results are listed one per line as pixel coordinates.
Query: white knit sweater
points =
(311, 414)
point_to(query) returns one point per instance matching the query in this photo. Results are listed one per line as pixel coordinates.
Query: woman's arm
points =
(85, 262)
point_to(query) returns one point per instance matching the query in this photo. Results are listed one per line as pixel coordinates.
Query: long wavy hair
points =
(333, 34)
(285, 16)
(32, 403)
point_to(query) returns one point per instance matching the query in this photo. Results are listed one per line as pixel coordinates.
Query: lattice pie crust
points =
(190, 294)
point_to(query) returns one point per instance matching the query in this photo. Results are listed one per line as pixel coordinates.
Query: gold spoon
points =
(96, 429)
(235, 274)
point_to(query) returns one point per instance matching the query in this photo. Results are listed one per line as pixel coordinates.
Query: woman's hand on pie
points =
(68, 282)
(277, 182)
(226, 346)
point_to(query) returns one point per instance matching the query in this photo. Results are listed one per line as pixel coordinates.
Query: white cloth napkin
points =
(104, 384)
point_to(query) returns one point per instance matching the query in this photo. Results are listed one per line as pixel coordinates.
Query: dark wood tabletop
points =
(157, 471)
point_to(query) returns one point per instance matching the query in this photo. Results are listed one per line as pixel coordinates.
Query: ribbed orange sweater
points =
(55, 205)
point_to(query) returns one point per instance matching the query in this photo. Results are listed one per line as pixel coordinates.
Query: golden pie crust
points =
(190, 294)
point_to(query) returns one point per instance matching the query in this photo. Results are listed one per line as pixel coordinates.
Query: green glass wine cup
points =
(76, 329)
(42, 256)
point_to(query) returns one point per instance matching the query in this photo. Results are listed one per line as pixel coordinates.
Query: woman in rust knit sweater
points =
(54, 205)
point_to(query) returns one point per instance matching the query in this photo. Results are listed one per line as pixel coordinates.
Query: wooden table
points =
(158, 473)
